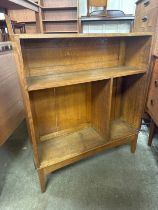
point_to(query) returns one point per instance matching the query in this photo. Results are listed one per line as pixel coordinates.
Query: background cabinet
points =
(25, 16)
(146, 19)
(11, 105)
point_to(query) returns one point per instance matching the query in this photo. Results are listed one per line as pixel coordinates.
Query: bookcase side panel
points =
(33, 132)
(138, 51)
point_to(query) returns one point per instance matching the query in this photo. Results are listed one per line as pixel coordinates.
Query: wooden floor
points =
(62, 148)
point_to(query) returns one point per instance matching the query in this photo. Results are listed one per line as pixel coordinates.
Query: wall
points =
(1, 16)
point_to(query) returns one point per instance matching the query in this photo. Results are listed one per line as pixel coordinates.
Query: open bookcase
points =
(59, 16)
(83, 93)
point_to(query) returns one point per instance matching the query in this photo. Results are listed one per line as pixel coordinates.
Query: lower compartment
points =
(86, 140)
(77, 120)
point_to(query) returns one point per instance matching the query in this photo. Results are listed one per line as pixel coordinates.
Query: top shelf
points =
(78, 77)
(80, 35)
(59, 8)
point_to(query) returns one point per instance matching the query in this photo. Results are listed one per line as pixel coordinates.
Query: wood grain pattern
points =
(56, 80)
(25, 16)
(101, 107)
(11, 105)
(63, 148)
(60, 17)
(83, 94)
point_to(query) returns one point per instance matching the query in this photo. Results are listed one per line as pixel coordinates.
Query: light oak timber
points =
(43, 36)
(60, 17)
(11, 105)
(43, 82)
(83, 93)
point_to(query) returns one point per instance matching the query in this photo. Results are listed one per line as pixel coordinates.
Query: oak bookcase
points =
(82, 93)
(59, 16)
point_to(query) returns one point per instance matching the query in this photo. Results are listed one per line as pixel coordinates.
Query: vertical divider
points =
(39, 22)
(101, 107)
(78, 14)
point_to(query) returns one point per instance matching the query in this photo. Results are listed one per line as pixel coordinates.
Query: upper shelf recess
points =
(72, 78)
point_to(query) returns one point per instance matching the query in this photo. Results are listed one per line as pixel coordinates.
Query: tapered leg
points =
(134, 143)
(42, 180)
(152, 132)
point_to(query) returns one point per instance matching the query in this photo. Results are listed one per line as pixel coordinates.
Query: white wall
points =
(1, 16)
(127, 6)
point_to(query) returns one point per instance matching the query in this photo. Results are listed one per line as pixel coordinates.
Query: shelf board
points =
(81, 35)
(55, 31)
(72, 78)
(68, 20)
(66, 149)
(60, 8)
(29, 22)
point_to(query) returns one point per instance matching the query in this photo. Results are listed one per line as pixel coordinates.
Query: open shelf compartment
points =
(60, 62)
(84, 118)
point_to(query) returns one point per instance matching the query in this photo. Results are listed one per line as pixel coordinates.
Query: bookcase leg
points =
(134, 144)
(152, 132)
(42, 180)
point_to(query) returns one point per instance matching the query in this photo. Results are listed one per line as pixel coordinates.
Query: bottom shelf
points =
(81, 143)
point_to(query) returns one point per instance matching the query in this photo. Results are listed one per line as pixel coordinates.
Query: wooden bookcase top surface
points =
(95, 35)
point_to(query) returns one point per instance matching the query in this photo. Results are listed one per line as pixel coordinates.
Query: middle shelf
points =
(78, 77)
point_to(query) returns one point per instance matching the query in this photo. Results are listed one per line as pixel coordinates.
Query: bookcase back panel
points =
(133, 99)
(128, 99)
(57, 3)
(58, 110)
(61, 108)
(137, 51)
(60, 15)
(43, 57)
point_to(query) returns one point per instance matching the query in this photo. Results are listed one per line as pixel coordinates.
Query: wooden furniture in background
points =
(96, 3)
(59, 16)
(11, 106)
(152, 101)
(115, 17)
(18, 4)
(3, 31)
(54, 17)
(146, 20)
(75, 105)
(25, 16)
(7, 5)
(20, 27)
